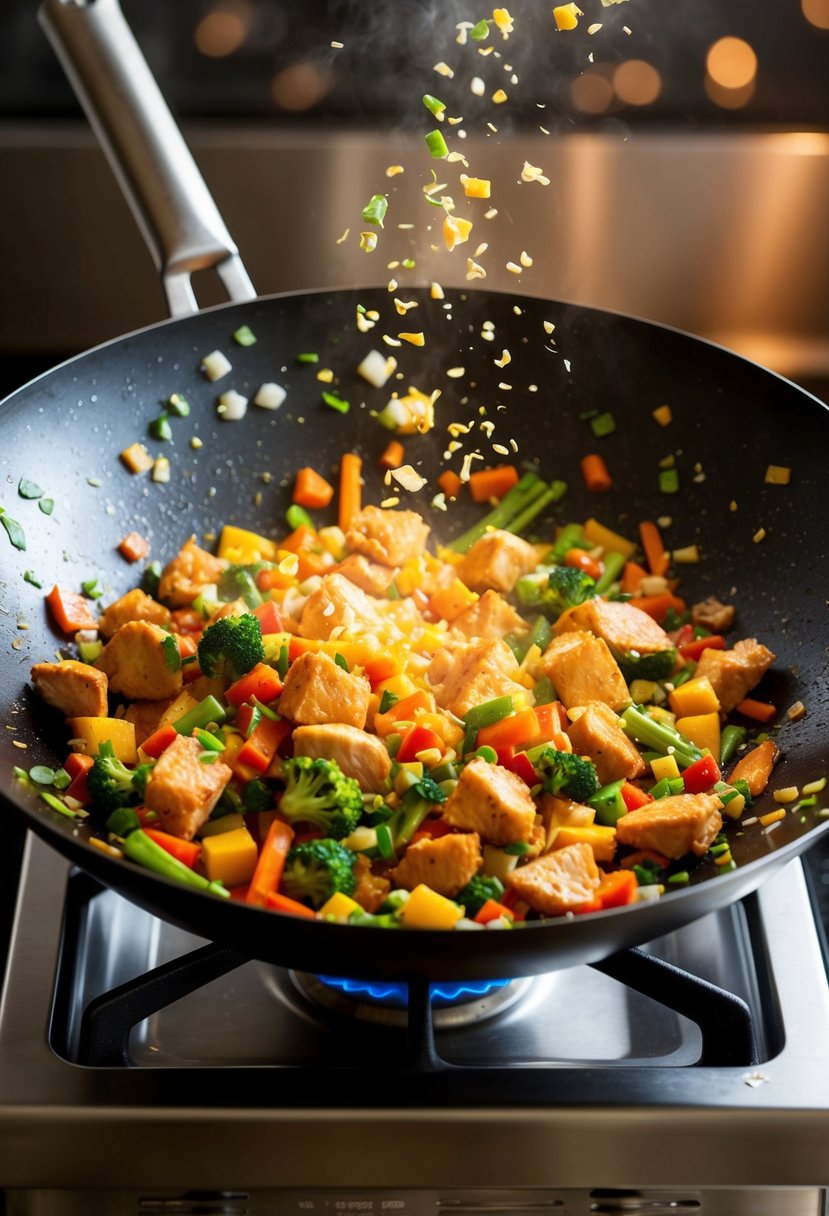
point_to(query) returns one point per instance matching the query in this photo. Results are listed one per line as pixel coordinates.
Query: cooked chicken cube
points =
(733, 673)
(674, 826)
(337, 603)
(557, 882)
(623, 626)
(473, 674)
(371, 889)
(181, 790)
(388, 537)
(318, 691)
(136, 662)
(489, 617)
(445, 864)
(582, 669)
(76, 689)
(136, 605)
(598, 733)
(361, 756)
(711, 614)
(370, 577)
(497, 560)
(491, 801)
(146, 717)
(190, 570)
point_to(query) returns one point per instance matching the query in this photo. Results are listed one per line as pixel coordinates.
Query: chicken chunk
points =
(623, 626)
(557, 882)
(711, 614)
(489, 617)
(361, 756)
(582, 669)
(387, 537)
(146, 717)
(136, 605)
(497, 560)
(318, 691)
(136, 663)
(674, 826)
(474, 674)
(190, 570)
(491, 801)
(181, 790)
(370, 577)
(445, 864)
(76, 689)
(371, 888)
(733, 673)
(598, 733)
(337, 603)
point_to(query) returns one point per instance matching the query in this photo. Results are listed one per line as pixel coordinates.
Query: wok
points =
(65, 430)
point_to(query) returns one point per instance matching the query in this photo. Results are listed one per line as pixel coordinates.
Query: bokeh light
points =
(731, 63)
(300, 86)
(816, 12)
(592, 93)
(637, 83)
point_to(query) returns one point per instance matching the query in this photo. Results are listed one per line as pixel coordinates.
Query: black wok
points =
(731, 418)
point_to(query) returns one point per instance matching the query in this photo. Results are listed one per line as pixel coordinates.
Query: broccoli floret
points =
(563, 773)
(655, 666)
(319, 792)
(257, 796)
(554, 589)
(477, 891)
(112, 784)
(239, 582)
(231, 646)
(316, 869)
(415, 805)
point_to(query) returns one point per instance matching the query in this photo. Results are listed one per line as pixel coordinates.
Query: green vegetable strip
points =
(553, 493)
(668, 481)
(336, 403)
(571, 537)
(434, 106)
(244, 336)
(511, 505)
(208, 710)
(375, 209)
(298, 517)
(659, 736)
(141, 848)
(544, 693)
(613, 565)
(732, 737)
(436, 144)
(489, 712)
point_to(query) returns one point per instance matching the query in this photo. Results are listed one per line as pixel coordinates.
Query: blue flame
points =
(397, 994)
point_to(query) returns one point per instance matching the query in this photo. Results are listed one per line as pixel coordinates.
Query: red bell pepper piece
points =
(701, 775)
(185, 851)
(522, 767)
(432, 828)
(262, 682)
(693, 650)
(159, 741)
(268, 616)
(258, 751)
(491, 910)
(633, 797)
(417, 739)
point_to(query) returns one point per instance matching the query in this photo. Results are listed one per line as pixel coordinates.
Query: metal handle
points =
(162, 183)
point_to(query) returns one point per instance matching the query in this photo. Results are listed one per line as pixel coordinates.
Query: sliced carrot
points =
(70, 611)
(311, 490)
(617, 888)
(159, 741)
(552, 719)
(185, 851)
(134, 546)
(656, 555)
(187, 645)
(274, 579)
(268, 616)
(403, 711)
(492, 483)
(418, 739)
(595, 473)
(491, 910)
(657, 606)
(262, 682)
(300, 539)
(261, 747)
(511, 731)
(283, 903)
(758, 711)
(632, 576)
(450, 483)
(580, 559)
(449, 602)
(756, 766)
(392, 457)
(77, 765)
(351, 491)
(383, 667)
(271, 863)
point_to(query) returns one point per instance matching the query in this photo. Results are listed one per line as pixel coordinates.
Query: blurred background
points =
(686, 146)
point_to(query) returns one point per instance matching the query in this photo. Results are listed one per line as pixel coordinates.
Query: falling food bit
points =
(368, 241)
(443, 69)
(503, 21)
(409, 478)
(477, 86)
(566, 16)
(394, 170)
(474, 270)
(415, 339)
(525, 260)
(476, 187)
(532, 173)
(499, 97)
(455, 231)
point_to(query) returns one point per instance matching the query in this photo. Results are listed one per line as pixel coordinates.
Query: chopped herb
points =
(92, 588)
(62, 779)
(178, 406)
(47, 505)
(16, 534)
(57, 804)
(408, 264)
(308, 356)
(244, 336)
(434, 105)
(172, 654)
(160, 427)
(42, 774)
(375, 209)
(29, 489)
(387, 700)
(298, 517)
(341, 661)
(603, 424)
(255, 719)
(30, 577)
(209, 757)
(680, 879)
(480, 31)
(283, 662)
(151, 578)
(209, 742)
(336, 403)
(669, 481)
(385, 841)
(436, 145)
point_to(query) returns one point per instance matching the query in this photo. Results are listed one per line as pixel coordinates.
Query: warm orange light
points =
(223, 30)
(731, 63)
(591, 93)
(816, 12)
(637, 83)
(300, 86)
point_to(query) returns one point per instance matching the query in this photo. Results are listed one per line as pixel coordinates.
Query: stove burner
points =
(385, 1002)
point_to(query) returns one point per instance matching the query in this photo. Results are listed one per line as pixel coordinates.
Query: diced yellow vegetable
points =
(340, 906)
(642, 691)
(177, 708)
(815, 787)
(599, 535)
(455, 231)
(229, 857)
(425, 909)
(497, 863)
(772, 817)
(242, 547)
(735, 807)
(89, 733)
(449, 602)
(663, 415)
(476, 187)
(137, 458)
(789, 794)
(602, 840)
(702, 729)
(664, 766)
(566, 16)
(225, 823)
(695, 696)
(777, 475)
(400, 686)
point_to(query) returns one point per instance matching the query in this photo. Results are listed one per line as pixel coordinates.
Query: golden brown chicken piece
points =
(582, 669)
(136, 605)
(387, 537)
(76, 689)
(489, 617)
(597, 733)
(181, 790)
(674, 826)
(445, 864)
(491, 801)
(497, 560)
(190, 570)
(557, 882)
(473, 674)
(317, 691)
(360, 755)
(137, 664)
(733, 673)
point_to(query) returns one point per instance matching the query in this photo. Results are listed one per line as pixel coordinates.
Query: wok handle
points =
(168, 195)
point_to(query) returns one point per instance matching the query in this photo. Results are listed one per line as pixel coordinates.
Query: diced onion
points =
(269, 396)
(215, 365)
(232, 406)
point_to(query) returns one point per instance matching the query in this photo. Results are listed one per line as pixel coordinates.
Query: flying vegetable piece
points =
(231, 646)
(567, 775)
(317, 869)
(112, 784)
(554, 589)
(318, 792)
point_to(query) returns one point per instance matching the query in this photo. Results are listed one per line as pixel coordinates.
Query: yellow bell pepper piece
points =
(340, 906)
(566, 16)
(455, 231)
(229, 857)
(664, 766)
(425, 909)
(242, 547)
(695, 696)
(476, 187)
(702, 729)
(599, 535)
(90, 733)
(602, 840)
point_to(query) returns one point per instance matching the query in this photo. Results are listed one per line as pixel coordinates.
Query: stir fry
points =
(353, 726)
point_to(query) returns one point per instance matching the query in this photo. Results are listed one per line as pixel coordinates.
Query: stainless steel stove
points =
(257, 1091)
